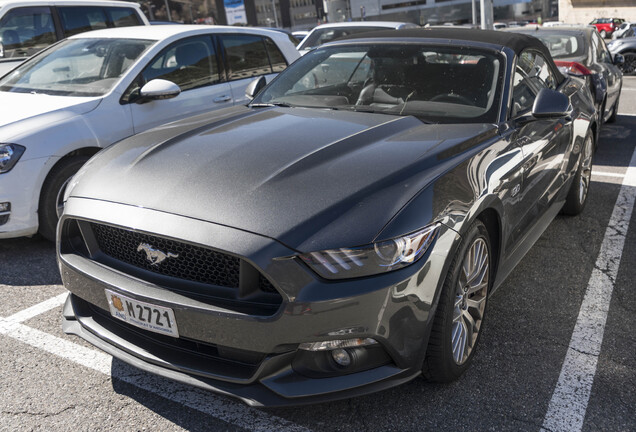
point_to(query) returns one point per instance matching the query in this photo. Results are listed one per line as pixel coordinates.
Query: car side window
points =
(79, 19)
(189, 63)
(602, 53)
(276, 58)
(25, 31)
(122, 17)
(246, 56)
(535, 65)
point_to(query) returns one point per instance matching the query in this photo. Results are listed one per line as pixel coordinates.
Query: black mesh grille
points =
(184, 261)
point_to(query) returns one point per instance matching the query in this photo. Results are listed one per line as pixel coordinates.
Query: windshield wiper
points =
(278, 104)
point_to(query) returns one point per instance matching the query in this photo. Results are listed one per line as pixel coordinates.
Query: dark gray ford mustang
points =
(339, 235)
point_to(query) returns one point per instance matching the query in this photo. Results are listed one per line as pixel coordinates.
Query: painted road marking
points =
(568, 405)
(38, 309)
(607, 174)
(227, 410)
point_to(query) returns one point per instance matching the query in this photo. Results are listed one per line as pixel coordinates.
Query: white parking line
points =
(38, 309)
(607, 174)
(227, 410)
(568, 405)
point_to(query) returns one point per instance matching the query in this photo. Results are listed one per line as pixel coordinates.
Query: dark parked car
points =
(581, 52)
(334, 238)
(627, 48)
(607, 26)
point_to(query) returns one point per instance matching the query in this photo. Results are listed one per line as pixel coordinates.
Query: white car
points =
(28, 26)
(327, 32)
(89, 91)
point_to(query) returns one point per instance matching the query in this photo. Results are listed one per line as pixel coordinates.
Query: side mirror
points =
(255, 87)
(619, 59)
(159, 89)
(550, 104)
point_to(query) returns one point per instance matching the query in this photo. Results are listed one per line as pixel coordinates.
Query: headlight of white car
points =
(9, 155)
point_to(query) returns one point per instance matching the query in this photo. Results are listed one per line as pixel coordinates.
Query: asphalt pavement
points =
(558, 350)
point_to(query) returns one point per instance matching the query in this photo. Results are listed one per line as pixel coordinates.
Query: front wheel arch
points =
(75, 158)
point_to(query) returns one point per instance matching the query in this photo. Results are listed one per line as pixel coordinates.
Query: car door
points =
(248, 57)
(191, 63)
(610, 71)
(543, 142)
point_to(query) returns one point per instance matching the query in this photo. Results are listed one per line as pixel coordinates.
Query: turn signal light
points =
(572, 68)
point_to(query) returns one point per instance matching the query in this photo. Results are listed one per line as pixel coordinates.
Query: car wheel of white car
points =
(51, 197)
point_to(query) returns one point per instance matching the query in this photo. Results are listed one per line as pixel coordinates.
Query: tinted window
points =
(122, 17)
(246, 56)
(25, 31)
(536, 67)
(602, 54)
(276, 58)
(563, 45)
(189, 63)
(79, 19)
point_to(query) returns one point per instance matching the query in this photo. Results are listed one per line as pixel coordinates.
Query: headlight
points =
(371, 259)
(9, 155)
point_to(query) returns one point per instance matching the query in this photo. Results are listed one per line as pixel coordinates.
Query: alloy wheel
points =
(629, 66)
(470, 300)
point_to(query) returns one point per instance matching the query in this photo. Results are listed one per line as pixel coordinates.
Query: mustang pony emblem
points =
(155, 256)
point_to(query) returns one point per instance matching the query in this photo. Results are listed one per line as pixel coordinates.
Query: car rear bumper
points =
(250, 356)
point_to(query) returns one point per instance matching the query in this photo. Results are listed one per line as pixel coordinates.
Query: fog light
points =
(341, 357)
(335, 344)
(5, 207)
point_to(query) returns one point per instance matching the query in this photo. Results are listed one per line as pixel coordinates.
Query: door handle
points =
(224, 98)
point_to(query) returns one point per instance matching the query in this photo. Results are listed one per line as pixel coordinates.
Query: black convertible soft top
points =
(515, 41)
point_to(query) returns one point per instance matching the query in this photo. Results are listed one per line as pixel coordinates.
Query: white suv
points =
(28, 26)
(63, 105)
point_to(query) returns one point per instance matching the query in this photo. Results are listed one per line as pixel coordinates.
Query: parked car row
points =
(333, 231)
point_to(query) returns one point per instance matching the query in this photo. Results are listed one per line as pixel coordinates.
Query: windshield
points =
(434, 83)
(324, 35)
(563, 45)
(76, 67)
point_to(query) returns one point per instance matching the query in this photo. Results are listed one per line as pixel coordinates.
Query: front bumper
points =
(250, 356)
(21, 187)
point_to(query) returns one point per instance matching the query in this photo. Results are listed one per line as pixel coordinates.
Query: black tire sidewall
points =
(47, 210)
(573, 206)
(441, 366)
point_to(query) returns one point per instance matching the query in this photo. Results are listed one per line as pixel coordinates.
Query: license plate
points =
(144, 315)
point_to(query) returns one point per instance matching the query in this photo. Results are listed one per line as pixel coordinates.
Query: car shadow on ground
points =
(33, 253)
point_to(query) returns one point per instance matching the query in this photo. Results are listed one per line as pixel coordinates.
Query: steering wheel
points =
(453, 98)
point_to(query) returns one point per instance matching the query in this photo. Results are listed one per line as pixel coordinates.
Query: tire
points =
(612, 117)
(629, 66)
(53, 192)
(577, 196)
(603, 34)
(452, 343)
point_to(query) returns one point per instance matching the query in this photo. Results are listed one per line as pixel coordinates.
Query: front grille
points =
(184, 261)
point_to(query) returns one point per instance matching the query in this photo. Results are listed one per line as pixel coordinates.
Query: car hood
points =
(312, 179)
(37, 110)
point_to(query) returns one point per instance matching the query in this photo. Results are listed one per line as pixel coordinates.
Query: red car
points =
(606, 26)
